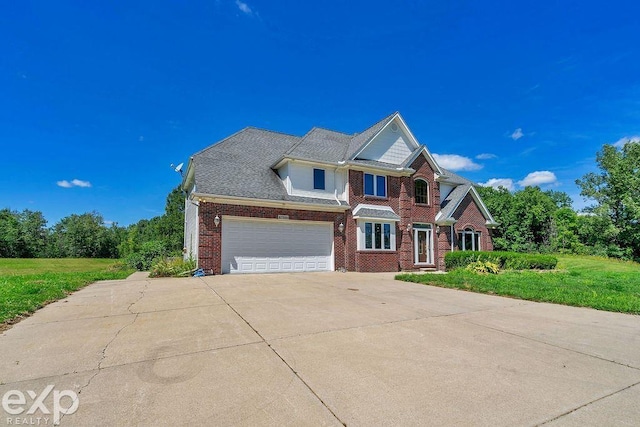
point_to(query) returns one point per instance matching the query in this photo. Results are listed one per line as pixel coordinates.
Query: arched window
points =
(421, 191)
(469, 240)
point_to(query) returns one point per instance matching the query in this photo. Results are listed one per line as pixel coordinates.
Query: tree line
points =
(532, 220)
(26, 235)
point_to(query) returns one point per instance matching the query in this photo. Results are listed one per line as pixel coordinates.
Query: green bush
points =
(505, 260)
(172, 267)
(484, 267)
(148, 253)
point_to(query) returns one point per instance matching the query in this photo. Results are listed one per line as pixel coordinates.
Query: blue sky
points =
(99, 98)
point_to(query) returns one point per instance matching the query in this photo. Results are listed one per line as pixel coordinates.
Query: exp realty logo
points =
(38, 410)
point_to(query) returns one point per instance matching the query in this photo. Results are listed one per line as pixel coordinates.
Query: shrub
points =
(148, 253)
(483, 267)
(172, 267)
(505, 260)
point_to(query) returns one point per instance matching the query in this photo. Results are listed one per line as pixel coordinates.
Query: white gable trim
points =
(412, 139)
(490, 222)
(427, 154)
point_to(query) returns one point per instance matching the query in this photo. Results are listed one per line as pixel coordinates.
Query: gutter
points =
(285, 204)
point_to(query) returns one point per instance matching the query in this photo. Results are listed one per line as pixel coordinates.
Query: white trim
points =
(419, 178)
(430, 237)
(405, 129)
(246, 201)
(361, 237)
(483, 209)
(375, 186)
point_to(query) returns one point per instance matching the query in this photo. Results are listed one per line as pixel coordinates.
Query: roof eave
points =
(247, 201)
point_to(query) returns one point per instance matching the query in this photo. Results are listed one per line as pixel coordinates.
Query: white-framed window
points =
(376, 235)
(421, 191)
(469, 240)
(375, 185)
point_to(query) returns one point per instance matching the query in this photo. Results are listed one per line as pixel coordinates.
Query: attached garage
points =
(271, 246)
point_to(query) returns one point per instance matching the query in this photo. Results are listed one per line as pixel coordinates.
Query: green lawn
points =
(28, 284)
(583, 281)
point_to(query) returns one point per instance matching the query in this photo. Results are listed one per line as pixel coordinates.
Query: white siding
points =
(389, 147)
(299, 181)
(445, 189)
(263, 246)
(190, 229)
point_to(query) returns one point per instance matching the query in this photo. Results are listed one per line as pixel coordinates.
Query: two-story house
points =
(263, 201)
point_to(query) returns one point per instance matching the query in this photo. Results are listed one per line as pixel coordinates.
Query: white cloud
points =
(538, 178)
(622, 141)
(243, 7)
(517, 134)
(500, 182)
(79, 183)
(74, 183)
(486, 156)
(456, 163)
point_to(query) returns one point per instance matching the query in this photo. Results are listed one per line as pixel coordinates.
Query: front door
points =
(423, 248)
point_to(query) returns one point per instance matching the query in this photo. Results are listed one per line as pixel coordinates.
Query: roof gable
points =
(451, 203)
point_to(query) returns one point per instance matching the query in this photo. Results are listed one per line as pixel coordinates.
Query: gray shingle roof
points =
(454, 178)
(322, 145)
(236, 165)
(369, 212)
(375, 163)
(449, 204)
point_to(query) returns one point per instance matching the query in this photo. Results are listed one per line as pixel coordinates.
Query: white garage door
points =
(250, 246)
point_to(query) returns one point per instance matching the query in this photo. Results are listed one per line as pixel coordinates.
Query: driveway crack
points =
(103, 354)
(293, 371)
(564, 414)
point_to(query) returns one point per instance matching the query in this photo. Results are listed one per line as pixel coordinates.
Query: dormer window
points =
(421, 192)
(375, 185)
(318, 179)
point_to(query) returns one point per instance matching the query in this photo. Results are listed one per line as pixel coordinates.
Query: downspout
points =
(451, 237)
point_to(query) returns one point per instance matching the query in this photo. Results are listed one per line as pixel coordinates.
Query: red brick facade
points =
(400, 197)
(469, 216)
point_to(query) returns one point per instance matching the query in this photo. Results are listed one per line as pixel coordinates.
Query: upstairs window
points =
(421, 192)
(375, 185)
(318, 179)
(469, 240)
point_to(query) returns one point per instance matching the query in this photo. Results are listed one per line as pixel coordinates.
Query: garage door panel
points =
(269, 246)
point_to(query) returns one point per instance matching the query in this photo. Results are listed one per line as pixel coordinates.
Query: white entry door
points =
(265, 246)
(423, 244)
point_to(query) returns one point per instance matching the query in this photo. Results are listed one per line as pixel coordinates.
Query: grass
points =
(28, 284)
(581, 281)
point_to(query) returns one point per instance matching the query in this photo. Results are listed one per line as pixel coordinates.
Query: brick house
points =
(263, 201)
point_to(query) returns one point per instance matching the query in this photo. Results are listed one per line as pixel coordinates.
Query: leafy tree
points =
(82, 236)
(10, 245)
(34, 234)
(168, 228)
(527, 218)
(616, 191)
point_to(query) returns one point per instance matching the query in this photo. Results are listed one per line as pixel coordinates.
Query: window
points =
(421, 193)
(378, 236)
(375, 185)
(318, 179)
(469, 240)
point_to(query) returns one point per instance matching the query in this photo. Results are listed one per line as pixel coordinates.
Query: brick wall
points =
(468, 215)
(210, 236)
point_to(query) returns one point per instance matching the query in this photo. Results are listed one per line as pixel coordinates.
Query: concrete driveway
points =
(317, 349)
